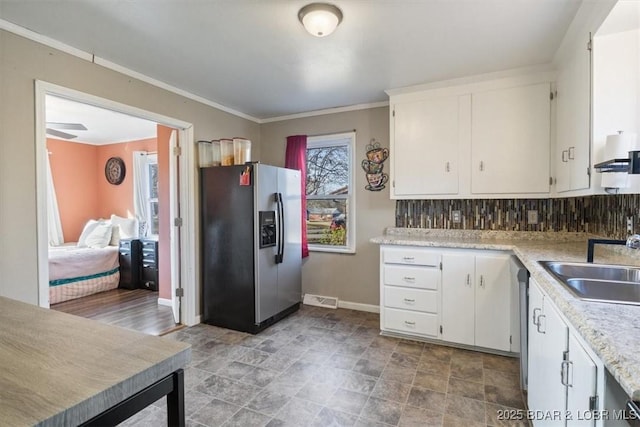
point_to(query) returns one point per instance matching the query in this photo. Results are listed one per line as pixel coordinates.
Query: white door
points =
(458, 295)
(510, 140)
(493, 301)
(573, 120)
(582, 377)
(426, 145)
(547, 344)
(174, 235)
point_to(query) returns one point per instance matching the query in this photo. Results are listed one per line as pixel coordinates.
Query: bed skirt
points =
(67, 289)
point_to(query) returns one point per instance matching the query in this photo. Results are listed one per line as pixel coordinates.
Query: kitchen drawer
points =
(411, 322)
(412, 277)
(411, 299)
(411, 256)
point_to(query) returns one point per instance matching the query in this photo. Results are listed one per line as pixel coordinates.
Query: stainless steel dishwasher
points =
(522, 280)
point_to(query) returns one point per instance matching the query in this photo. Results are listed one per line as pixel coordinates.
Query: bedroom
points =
(110, 261)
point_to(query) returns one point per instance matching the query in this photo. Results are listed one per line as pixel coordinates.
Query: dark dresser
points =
(149, 264)
(130, 256)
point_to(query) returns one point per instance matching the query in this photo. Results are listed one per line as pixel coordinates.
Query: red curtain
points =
(296, 158)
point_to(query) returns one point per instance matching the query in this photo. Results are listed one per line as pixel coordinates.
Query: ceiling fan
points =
(52, 129)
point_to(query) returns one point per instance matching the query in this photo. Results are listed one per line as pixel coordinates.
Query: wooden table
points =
(58, 369)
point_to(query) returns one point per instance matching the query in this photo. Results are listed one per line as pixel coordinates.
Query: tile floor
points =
(323, 367)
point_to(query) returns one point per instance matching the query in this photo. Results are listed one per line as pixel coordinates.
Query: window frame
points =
(152, 159)
(347, 139)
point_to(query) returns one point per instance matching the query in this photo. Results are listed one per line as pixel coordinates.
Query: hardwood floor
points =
(136, 309)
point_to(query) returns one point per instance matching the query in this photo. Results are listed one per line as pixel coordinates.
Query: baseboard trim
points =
(165, 301)
(358, 306)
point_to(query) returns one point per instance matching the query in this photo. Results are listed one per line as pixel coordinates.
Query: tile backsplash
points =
(603, 214)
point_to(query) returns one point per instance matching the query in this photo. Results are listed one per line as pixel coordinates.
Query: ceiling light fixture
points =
(320, 19)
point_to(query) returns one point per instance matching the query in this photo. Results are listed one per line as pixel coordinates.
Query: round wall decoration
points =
(114, 170)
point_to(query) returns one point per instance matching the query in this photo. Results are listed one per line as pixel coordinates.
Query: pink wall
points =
(73, 167)
(118, 199)
(82, 190)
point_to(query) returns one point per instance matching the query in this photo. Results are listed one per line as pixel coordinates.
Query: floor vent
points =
(320, 301)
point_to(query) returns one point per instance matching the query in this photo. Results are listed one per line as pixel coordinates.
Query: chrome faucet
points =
(632, 242)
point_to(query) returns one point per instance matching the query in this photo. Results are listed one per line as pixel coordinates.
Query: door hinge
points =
(177, 151)
(440, 328)
(179, 292)
(177, 222)
(593, 403)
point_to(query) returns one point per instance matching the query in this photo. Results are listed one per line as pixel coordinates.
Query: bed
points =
(76, 272)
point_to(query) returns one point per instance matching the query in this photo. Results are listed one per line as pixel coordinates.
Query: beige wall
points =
(352, 278)
(21, 63)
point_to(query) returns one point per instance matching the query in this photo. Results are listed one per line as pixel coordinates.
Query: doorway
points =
(181, 248)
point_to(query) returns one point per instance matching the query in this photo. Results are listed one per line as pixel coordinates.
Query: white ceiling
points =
(103, 126)
(254, 57)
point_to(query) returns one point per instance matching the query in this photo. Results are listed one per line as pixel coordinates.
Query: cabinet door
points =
(425, 147)
(458, 312)
(510, 140)
(582, 377)
(493, 302)
(548, 340)
(573, 120)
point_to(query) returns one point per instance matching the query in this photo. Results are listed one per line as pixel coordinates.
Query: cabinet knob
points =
(534, 317)
(539, 324)
(482, 281)
(481, 165)
(565, 155)
(406, 322)
(468, 279)
(571, 151)
(447, 167)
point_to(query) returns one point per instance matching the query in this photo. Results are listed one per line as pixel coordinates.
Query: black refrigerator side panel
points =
(228, 291)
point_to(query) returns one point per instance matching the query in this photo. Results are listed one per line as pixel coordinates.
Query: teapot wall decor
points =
(373, 166)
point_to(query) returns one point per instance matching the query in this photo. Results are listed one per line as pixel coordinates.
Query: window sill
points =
(338, 250)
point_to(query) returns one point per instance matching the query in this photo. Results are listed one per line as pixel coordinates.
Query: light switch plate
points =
(532, 217)
(456, 217)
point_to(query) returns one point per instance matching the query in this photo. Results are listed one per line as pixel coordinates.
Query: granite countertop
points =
(612, 330)
(59, 369)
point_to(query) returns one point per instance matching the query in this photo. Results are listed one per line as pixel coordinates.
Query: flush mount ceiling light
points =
(320, 19)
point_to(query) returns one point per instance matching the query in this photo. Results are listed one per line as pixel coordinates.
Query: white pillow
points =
(88, 228)
(100, 236)
(127, 227)
(115, 235)
(96, 234)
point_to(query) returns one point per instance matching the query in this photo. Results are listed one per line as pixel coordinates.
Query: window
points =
(151, 195)
(330, 193)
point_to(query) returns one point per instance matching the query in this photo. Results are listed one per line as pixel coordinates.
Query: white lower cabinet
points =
(457, 295)
(564, 380)
(410, 291)
(476, 299)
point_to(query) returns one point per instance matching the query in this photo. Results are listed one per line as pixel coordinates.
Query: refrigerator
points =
(251, 245)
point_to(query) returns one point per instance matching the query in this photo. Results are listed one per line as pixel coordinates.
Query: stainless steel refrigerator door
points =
(266, 270)
(289, 271)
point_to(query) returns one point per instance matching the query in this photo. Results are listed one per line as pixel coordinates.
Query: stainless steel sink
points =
(598, 282)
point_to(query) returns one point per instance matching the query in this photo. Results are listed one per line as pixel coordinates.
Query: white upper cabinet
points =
(573, 112)
(510, 140)
(489, 138)
(426, 135)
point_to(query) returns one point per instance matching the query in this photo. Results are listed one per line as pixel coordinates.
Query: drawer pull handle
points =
(409, 300)
(409, 279)
(409, 323)
(408, 258)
